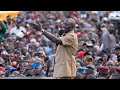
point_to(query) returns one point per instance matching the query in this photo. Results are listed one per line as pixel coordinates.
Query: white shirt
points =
(114, 57)
(18, 32)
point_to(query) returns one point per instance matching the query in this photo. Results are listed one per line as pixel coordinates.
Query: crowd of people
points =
(25, 52)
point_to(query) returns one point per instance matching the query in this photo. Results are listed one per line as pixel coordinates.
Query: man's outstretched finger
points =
(39, 24)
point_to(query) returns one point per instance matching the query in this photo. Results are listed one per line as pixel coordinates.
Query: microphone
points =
(61, 32)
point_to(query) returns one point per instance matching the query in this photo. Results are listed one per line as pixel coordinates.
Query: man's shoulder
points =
(21, 27)
(71, 34)
(13, 28)
(105, 33)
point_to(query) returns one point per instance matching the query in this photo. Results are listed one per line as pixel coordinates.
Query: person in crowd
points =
(67, 47)
(84, 47)
(108, 38)
(18, 30)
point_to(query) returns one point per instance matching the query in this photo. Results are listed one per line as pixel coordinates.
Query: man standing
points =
(9, 23)
(108, 38)
(65, 64)
(18, 30)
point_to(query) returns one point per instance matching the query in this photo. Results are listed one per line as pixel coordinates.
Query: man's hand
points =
(37, 26)
(50, 36)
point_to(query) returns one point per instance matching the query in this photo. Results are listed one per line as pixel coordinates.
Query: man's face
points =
(33, 43)
(68, 24)
(118, 51)
(39, 39)
(24, 51)
(14, 37)
(18, 25)
(111, 28)
(12, 57)
(26, 65)
(111, 66)
(9, 20)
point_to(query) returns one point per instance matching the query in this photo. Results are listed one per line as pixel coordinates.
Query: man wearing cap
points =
(103, 72)
(65, 64)
(18, 30)
(116, 75)
(114, 56)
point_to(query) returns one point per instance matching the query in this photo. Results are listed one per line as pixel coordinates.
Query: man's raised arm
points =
(50, 36)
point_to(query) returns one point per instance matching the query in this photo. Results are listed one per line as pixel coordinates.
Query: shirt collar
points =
(68, 33)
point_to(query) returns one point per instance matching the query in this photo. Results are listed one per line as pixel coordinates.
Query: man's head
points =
(111, 28)
(115, 76)
(33, 41)
(89, 46)
(14, 37)
(9, 19)
(11, 56)
(30, 73)
(117, 50)
(87, 72)
(91, 76)
(14, 64)
(18, 22)
(103, 71)
(69, 24)
(24, 51)
(110, 64)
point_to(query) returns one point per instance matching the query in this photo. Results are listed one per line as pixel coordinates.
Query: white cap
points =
(33, 40)
(14, 63)
(105, 19)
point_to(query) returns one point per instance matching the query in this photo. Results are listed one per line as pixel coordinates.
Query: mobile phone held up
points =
(36, 54)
